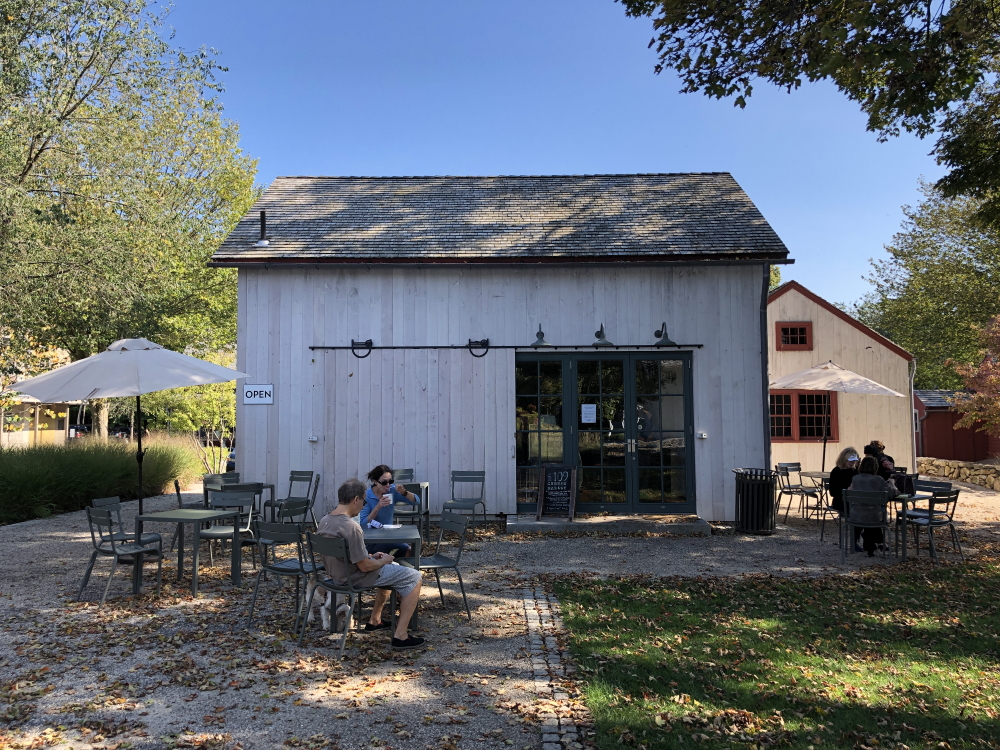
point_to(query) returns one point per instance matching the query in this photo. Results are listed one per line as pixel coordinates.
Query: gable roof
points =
(794, 285)
(936, 399)
(642, 217)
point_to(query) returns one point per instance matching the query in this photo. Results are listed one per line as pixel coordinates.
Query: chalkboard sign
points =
(557, 492)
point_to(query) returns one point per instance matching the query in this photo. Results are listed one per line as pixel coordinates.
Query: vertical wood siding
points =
(861, 418)
(443, 410)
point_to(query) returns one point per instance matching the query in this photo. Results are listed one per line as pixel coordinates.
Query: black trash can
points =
(755, 503)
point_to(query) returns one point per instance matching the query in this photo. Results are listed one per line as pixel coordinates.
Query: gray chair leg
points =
(930, 542)
(437, 576)
(954, 539)
(461, 585)
(86, 575)
(309, 601)
(348, 618)
(159, 572)
(253, 601)
(107, 587)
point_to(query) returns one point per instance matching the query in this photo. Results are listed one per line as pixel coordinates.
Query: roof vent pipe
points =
(262, 242)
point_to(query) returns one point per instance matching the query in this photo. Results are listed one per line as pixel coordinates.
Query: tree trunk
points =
(100, 417)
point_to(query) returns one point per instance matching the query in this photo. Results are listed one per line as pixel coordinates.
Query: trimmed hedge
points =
(49, 479)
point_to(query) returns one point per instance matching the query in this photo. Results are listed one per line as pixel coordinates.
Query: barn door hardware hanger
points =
(480, 348)
(368, 348)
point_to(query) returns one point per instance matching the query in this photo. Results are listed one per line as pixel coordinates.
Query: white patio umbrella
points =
(129, 367)
(828, 377)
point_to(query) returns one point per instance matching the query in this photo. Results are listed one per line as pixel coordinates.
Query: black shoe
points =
(411, 642)
(381, 626)
(871, 553)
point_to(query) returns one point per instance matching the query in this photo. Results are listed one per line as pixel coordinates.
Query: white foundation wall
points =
(438, 410)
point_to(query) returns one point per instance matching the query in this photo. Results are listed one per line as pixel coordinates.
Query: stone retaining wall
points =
(985, 475)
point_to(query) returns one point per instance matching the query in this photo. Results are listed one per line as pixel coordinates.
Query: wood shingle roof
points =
(641, 217)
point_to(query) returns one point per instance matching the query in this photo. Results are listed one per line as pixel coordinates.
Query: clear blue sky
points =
(443, 87)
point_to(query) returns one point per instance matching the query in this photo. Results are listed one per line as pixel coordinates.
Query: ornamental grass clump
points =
(49, 479)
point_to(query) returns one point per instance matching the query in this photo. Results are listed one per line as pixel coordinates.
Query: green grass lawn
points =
(894, 658)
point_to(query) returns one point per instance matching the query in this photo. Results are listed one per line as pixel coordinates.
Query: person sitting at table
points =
(378, 569)
(379, 501)
(886, 464)
(841, 477)
(868, 480)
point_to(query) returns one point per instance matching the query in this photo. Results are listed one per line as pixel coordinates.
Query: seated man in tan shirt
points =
(378, 569)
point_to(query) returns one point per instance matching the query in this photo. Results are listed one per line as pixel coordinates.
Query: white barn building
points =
(804, 330)
(421, 266)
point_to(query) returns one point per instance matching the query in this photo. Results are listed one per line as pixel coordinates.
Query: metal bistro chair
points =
(403, 511)
(292, 511)
(336, 547)
(102, 526)
(939, 513)
(924, 485)
(241, 497)
(114, 506)
(828, 510)
(312, 501)
(181, 505)
(273, 536)
(795, 489)
(294, 478)
(468, 502)
(215, 482)
(864, 510)
(457, 524)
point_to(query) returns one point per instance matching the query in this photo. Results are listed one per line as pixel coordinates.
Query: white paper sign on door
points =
(588, 413)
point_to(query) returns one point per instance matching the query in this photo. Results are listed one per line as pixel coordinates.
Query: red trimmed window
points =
(800, 416)
(794, 336)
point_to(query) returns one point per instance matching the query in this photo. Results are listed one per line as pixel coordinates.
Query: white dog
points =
(343, 608)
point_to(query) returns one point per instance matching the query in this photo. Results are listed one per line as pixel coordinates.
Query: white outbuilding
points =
(614, 323)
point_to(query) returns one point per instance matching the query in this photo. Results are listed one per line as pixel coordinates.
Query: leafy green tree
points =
(118, 178)
(937, 288)
(907, 64)
(981, 402)
(775, 277)
(209, 409)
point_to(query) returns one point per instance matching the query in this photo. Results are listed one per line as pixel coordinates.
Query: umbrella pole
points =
(826, 429)
(140, 453)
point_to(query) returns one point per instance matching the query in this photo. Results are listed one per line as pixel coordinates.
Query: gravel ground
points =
(175, 672)
(795, 549)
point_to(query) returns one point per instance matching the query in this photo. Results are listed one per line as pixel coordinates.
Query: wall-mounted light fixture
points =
(602, 340)
(662, 338)
(540, 338)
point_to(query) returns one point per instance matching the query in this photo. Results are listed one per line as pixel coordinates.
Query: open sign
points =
(258, 394)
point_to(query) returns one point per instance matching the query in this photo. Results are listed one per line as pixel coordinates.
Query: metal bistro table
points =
(408, 534)
(195, 517)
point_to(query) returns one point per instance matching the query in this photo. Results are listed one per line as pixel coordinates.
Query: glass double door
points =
(625, 420)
